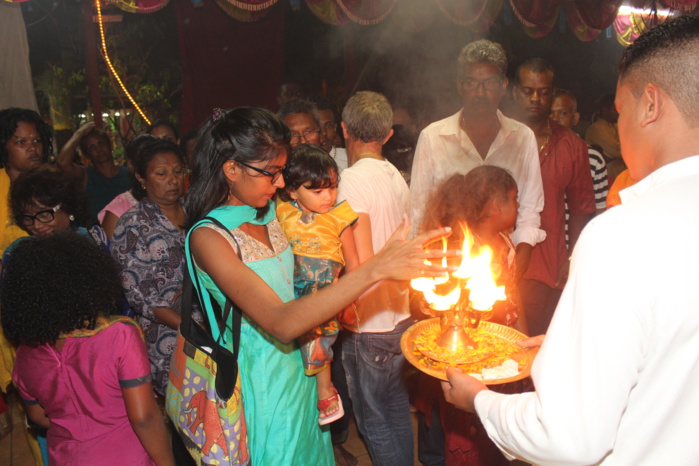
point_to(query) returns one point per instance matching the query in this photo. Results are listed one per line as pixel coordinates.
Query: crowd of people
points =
(315, 244)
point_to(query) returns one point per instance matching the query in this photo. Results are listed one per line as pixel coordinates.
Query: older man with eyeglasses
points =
(302, 118)
(480, 134)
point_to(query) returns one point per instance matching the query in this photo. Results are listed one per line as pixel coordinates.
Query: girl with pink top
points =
(81, 370)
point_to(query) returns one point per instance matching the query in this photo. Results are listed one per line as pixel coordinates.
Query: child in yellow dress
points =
(320, 236)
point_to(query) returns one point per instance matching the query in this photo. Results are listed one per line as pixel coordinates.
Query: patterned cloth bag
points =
(204, 397)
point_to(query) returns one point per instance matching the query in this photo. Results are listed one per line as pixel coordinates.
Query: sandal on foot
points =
(325, 404)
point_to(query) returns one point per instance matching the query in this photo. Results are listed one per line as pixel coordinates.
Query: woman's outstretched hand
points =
(405, 259)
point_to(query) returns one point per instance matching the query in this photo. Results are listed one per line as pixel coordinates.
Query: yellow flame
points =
(465, 269)
(484, 291)
(443, 302)
(475, 269)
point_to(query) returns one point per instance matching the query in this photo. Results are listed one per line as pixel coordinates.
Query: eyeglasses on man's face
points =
(44, 216)
(273, 175)
(490, 84)
(296, 137)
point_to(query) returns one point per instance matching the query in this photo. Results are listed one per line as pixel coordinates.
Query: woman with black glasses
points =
(44, 202)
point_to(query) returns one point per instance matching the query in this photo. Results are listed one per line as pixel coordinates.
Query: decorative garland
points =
(239, 14)
(462, 21)
(328, 12)
(365, 21)
(139, 6)
(252, 5)
(98, 6)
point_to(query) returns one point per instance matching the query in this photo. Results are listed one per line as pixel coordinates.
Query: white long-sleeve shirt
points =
(618, 375)
(444, 149)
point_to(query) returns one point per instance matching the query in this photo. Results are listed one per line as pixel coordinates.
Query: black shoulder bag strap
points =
(197, 336)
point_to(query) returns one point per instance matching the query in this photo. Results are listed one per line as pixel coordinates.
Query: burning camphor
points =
(474, 274)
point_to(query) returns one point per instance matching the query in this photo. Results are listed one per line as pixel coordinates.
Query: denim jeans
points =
(375, 369)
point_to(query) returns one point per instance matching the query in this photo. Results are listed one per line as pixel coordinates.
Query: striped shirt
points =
(598, 170)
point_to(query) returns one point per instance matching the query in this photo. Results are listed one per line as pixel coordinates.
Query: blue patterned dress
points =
(150, 250)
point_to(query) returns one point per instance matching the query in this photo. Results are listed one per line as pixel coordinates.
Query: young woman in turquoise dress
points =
(237, 169)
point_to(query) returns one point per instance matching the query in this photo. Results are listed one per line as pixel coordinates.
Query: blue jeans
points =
(375, 369)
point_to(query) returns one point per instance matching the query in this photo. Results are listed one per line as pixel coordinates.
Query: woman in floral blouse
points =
(148, 243)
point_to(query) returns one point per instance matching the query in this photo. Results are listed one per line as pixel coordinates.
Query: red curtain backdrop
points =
(478, 14)
(578, 26)
(598, 14)
(217, 54)
(681, 5)
(534, 13)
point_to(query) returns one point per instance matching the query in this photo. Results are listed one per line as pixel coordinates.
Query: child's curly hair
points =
(462, 198)
(57, 284)
(309, 166)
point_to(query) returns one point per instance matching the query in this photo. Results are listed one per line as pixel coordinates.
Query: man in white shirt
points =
(617, 375)
(480, 134)
(371, 352)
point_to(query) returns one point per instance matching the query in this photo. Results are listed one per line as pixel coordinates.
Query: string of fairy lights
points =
(98, 6)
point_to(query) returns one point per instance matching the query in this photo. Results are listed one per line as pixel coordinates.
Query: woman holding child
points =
(237, 169)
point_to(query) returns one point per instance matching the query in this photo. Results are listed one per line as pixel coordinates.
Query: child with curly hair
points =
(485, 200)
(318, 232)
(82, 371)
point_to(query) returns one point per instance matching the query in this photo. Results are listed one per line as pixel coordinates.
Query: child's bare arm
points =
(349, 250)
(147, 421)
(362, 237)
(37, 415)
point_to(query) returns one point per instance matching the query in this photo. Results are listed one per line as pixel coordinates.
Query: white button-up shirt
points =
(444, 149)
(617, 377)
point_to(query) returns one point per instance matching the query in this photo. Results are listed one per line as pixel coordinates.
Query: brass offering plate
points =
(496, 343)
(485, 350)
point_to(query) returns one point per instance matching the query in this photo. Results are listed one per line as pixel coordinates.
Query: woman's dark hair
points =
(163, 122)
(462, 198)
(130, 154)
(144, 154)
(134, 145)
(247, 134)
(8, 125)
(190, 134)
(311, 167)
(57, 284)
(49, 188)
